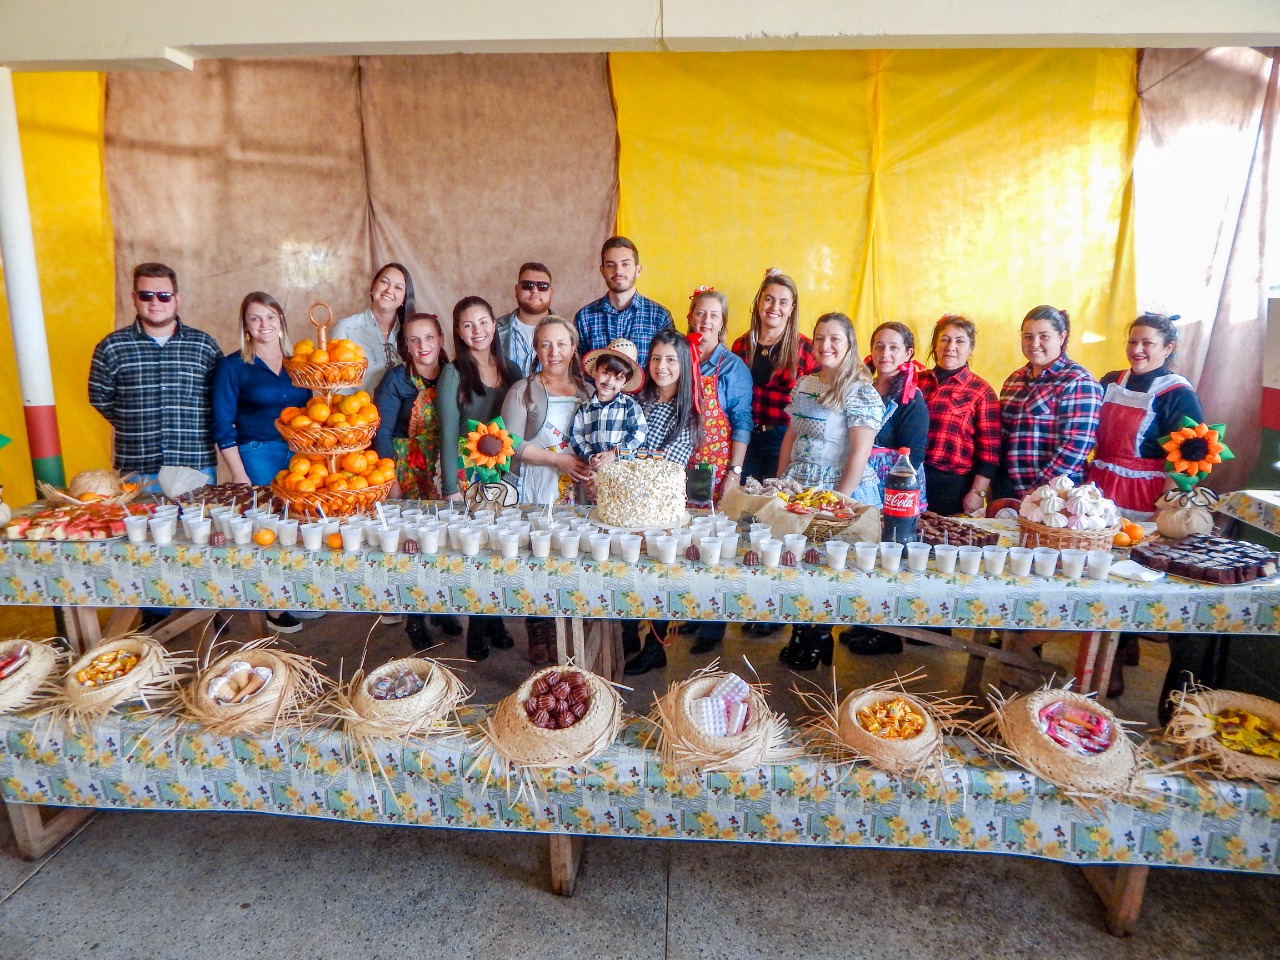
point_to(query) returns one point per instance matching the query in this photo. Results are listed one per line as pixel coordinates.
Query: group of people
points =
(620, 379)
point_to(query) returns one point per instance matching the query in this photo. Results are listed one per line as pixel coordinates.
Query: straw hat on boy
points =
(625, 351)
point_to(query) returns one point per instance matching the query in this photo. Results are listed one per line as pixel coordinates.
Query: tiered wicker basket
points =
(1060, 538)
(330, 442)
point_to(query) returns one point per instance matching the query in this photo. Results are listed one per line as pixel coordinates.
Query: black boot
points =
(709, 637)
(447, 624)
(415, 625)
(499, 639)
(477, 639)
(653, 656)
(875, 644)
(794, 645)
(816, 645)
(630, 637)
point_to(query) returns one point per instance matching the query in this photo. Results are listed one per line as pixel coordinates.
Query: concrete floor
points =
(169, 885)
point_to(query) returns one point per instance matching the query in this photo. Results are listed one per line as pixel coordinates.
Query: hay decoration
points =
(835, 732)
(1089, 781)
(686, 748)
(512, 743)
(32, 681)
(1193, 734)
(152, 682)
(284, 701)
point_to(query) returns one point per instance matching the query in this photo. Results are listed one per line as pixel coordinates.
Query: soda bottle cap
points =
(905, 451)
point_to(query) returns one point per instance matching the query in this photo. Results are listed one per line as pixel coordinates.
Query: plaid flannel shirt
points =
(617, 424)
(156, 397)
(599, 324)
(769, 403)
(1048, 423)
(661, 439)
(964, 423)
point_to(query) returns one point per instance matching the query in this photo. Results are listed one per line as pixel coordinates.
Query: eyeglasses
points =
(542, 286)
(146, 295)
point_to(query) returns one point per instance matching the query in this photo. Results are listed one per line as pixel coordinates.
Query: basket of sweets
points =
(26, 671)
(126, 669)
(1232, 734)
(1065, 516)
(255, 689)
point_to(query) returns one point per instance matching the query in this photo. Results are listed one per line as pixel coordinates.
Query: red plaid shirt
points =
(769, 403)
(964, 423)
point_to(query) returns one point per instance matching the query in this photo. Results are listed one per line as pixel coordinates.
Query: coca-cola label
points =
(901, 503)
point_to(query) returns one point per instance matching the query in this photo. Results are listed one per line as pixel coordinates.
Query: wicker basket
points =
(132, 686)
(295, 685)
(325, 376)
(1193, 733)
(327, 440)
(414, 715)
(903, 757)
(1060, 538)
(23, 687)
(333, 503)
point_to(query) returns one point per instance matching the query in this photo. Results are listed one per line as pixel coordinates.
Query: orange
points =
(336, 420)
(288, 413)
(359, 420)
(335, 481)
(264, 537)
(314, 457)
(342, 355)
(376, 478)
(306, 485)
(318, 357)
(357, 483)
(363, 396)
(350, 405)
(303, 347)
(387, 465)
(334, 540)
(317, 470)
(300, 421)
(318, 411)
(359, 351)
(1122, 539)
(290, 481)
(355, 462)
(368, 409)
(299, 464)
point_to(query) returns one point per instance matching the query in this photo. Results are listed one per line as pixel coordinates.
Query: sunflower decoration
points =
(486, 450)
(1193, 451)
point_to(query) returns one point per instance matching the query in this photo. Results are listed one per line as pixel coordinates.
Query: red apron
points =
(716, 433)
(1134, 483)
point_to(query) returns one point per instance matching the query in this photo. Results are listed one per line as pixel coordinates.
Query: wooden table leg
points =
(82, 626)
(37, 836)
(571, 642)
(1108, 644)
(1120, 889)
(566, 857)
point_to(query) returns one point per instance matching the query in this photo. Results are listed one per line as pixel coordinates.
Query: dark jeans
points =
(763, 450)
(947, 490)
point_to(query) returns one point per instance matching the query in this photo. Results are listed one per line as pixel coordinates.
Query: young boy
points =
(610, 422)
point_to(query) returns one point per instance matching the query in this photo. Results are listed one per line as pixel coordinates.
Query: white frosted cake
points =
(645, 492)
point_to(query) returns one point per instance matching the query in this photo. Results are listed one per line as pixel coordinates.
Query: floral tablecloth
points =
(1258, 508)
(131, 764)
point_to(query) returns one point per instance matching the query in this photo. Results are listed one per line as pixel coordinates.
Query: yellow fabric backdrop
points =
(60, 120)
(896, 185)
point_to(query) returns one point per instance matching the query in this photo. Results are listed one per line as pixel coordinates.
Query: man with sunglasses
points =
(151, 381)
(533, 305)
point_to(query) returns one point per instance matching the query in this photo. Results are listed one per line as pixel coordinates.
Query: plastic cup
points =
(865, 555)
(540, 542)
(388, 539)
(391, 511)
(556, 528)
(771, 552)
(1020, 560)
(511, 514)
(312, 535)
(710, 548)
(683, 539)
(755, 536)
(412, 516)
(1044, 561)
(352, 537)
(944, 557)
(761, 526)
(1073, 563)
(471, 538)
(667, 548)
(725, 526)
(455, 533)
(570, 541)
(429, 538)
(135, 528)
(509, 544)
(993, 559)
(918, 556)
(891, 556)
(1098, 564)
(241, 530)
(969, 560)
(200, 528)
(630, 544)
(651, 541)
(795, 543)
(837, 554)
(600, 546)
(330, 525)
(166, 510)
(728, 547)
(524, 528)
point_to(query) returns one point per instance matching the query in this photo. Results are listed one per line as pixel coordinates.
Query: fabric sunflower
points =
(487, 449)
(1193, 450)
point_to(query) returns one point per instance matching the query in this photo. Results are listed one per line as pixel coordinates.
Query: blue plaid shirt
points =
(599, 324)
(617, 424)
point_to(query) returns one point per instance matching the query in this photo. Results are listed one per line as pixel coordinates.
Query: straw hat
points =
(625, 351)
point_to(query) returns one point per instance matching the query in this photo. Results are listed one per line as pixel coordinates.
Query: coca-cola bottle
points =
(901, 500)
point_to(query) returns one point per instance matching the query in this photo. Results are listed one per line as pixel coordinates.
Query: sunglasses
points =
(146, 296)
(542, 286)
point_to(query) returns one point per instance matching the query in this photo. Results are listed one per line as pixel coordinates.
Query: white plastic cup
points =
(969, 560)
(509, 544)
(944, 557)
(651, 541)
(524, 528)
(728, 547)
(725, 526)
(312, 535)
(795, 543)
(683, 539)
(890, 556)
(511, 515)
(163, 528)
(771, 552)
(135, 528)
(1098, 564)
(1020, 560)
(540, 543)
(918, 556)
(455, 533)
(199, 530)
(837, 554)
(352, 537)
(756, 536)
(1044, 561)
(570, 542)
(166, 510)
(761, 526)
(709, 548)
(391, 511)
(993, 559)
(865, 555)
(667, 548)
(630, 544)
(412, 517)
(287, 533)
(429, 538)
(241, 530)
(330, 525)
(388, 539)
(600, 546)
(470, 541)
(1073, 562)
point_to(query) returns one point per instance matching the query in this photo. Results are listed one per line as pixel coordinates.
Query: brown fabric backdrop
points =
(1201, 212)
(300, 177)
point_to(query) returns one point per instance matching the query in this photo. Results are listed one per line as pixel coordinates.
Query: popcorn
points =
(641, 492)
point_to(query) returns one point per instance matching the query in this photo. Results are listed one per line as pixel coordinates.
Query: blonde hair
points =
(789, 346)
(719, 298)
(270, 302)
(851, 369)
(575, 364)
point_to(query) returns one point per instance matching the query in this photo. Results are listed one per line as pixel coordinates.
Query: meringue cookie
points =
(1076, 523)
(1041, 492)
(1035, 516)
(1062, 484)
(1027, 506)
(1052, 504)
(1095, 523)
(1076, 507)
(1055, 520)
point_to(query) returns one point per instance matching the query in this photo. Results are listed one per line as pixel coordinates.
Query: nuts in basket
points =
(106, 667)
(558, 700)
(893, 719)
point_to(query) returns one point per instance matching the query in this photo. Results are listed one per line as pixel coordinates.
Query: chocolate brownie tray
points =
(1208, 559)
(935, 528)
